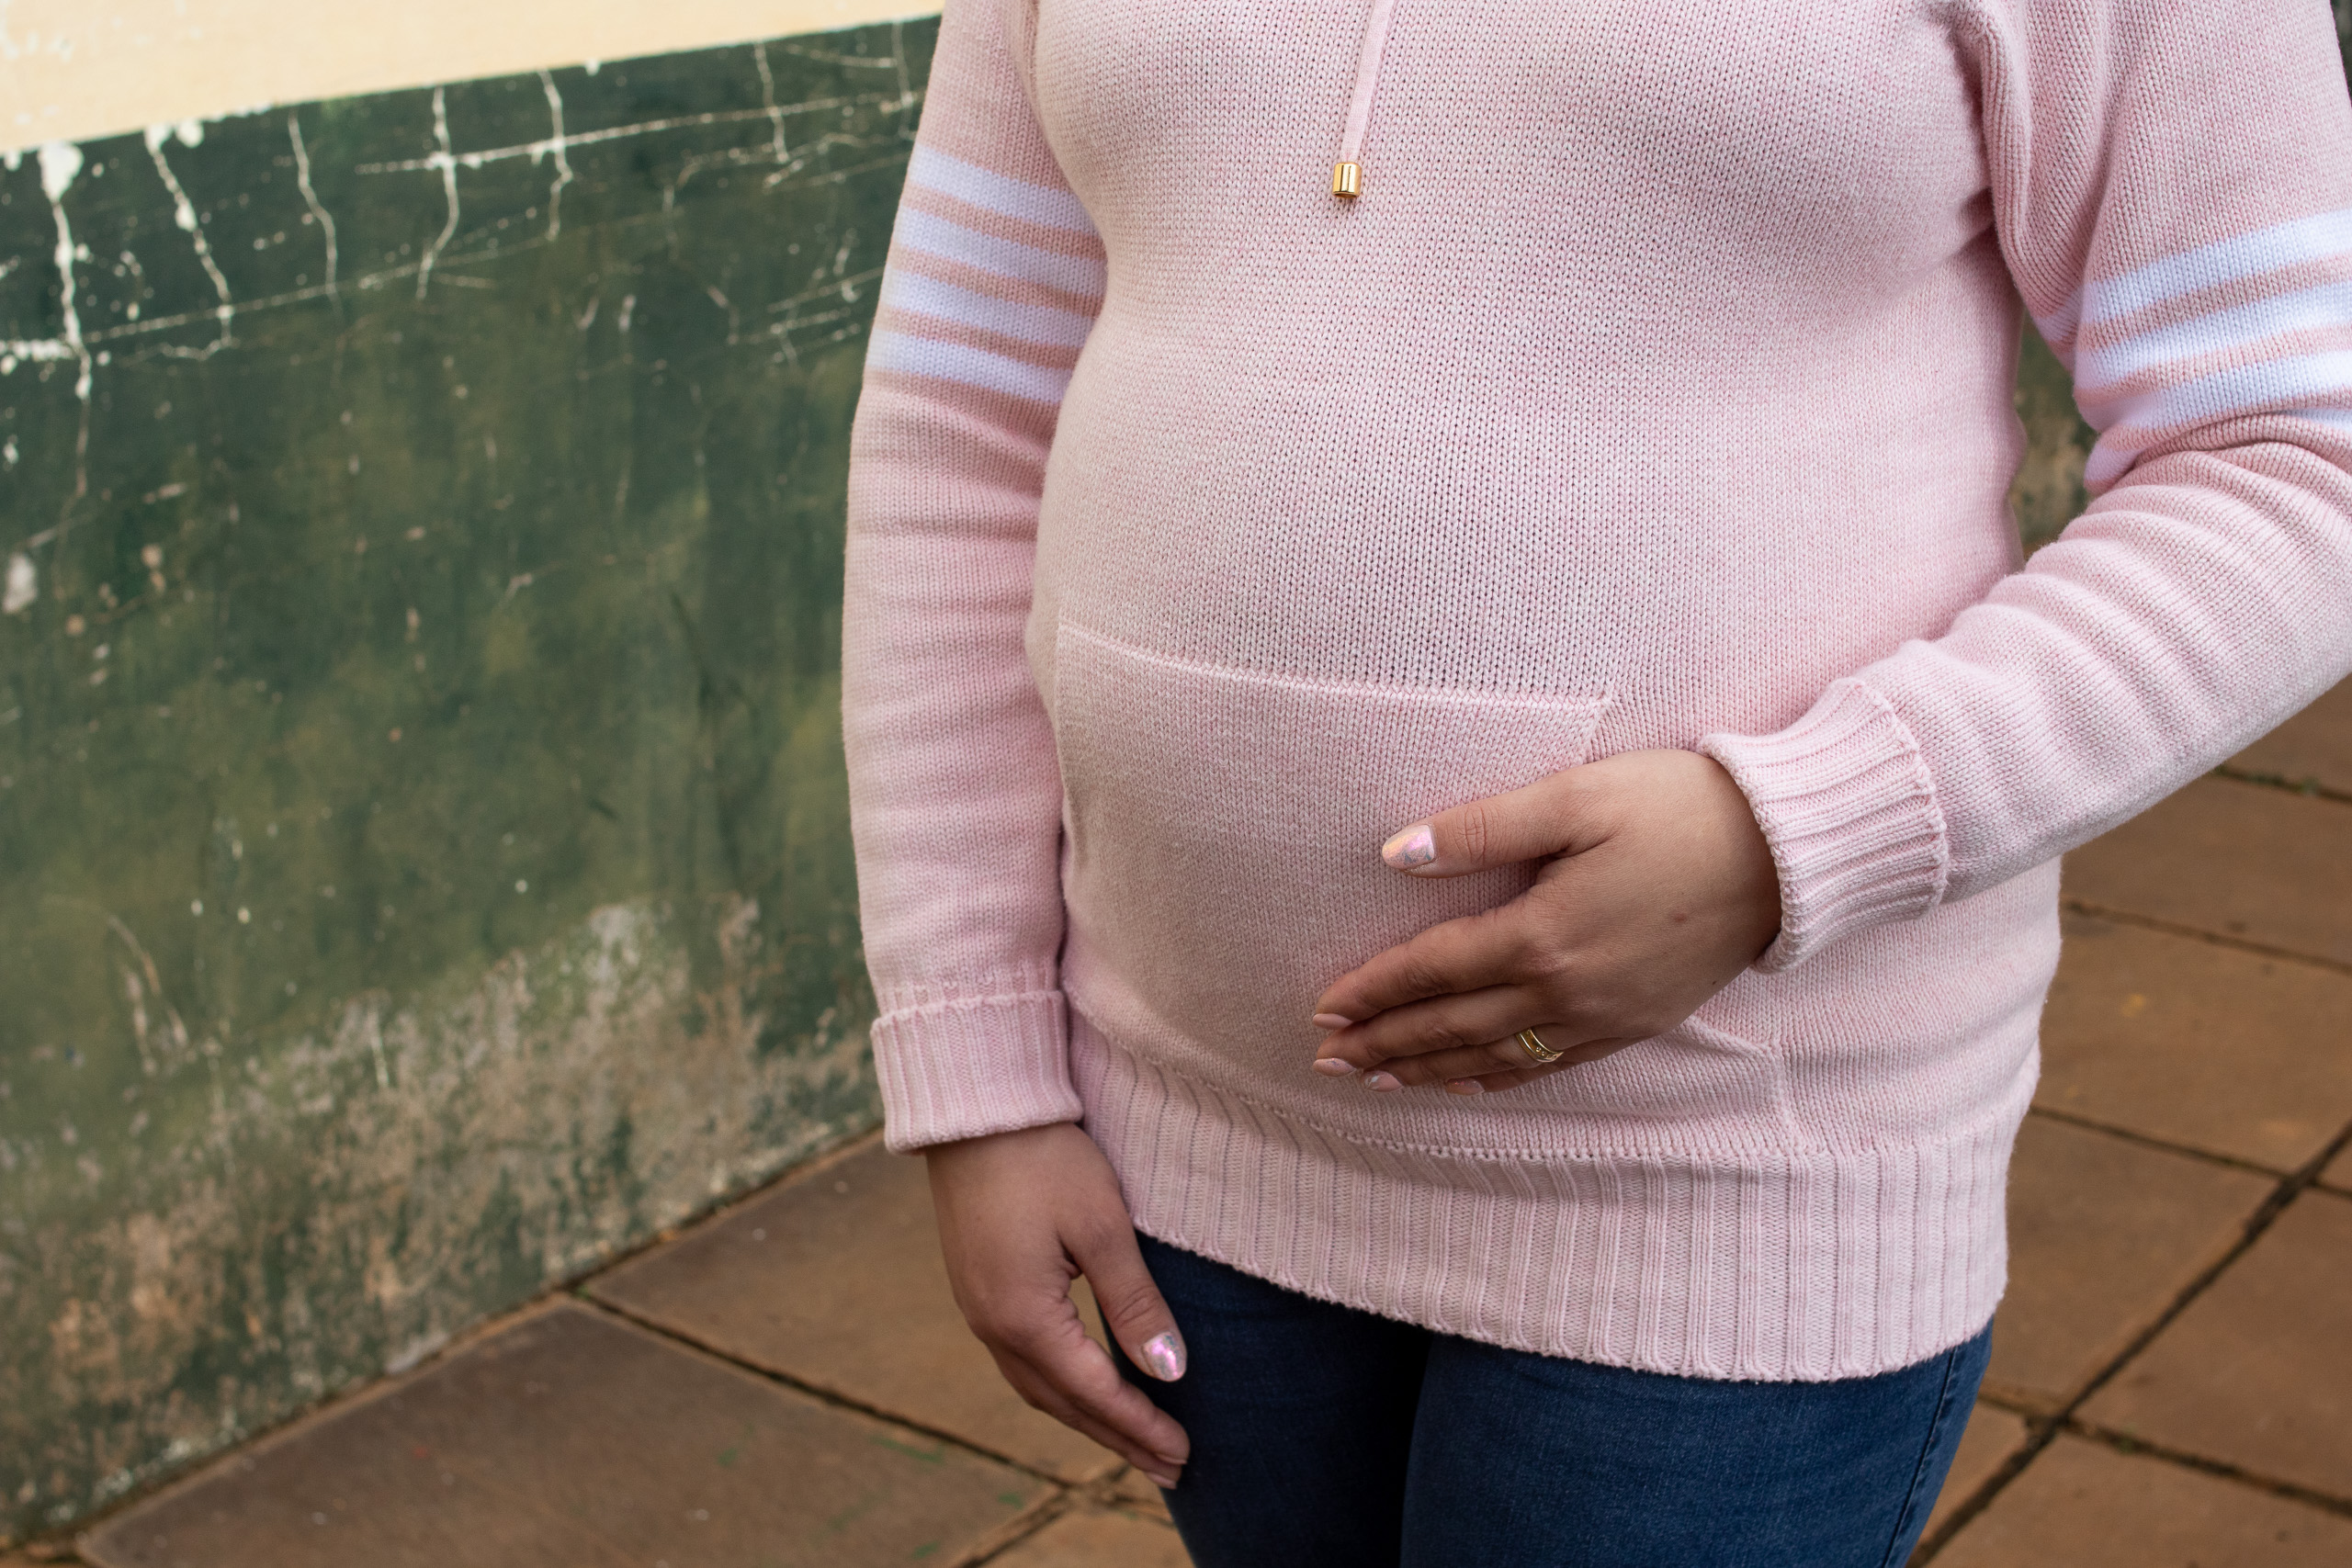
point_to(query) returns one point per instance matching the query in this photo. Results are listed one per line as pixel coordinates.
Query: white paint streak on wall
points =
(444, 161)
(23, 585)
(539, 149)
(767, 97)
(302, 181)
(556, 145)
(184, 212)
(59, 162)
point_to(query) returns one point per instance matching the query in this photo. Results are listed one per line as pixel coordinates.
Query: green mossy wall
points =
(422, 815)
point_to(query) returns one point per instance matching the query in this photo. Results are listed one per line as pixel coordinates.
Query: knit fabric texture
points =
(1205, 529)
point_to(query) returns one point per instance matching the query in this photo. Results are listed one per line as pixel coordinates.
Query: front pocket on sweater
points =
(1224, 832)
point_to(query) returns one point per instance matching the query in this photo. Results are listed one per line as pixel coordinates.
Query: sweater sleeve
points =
(992, 283)
(2172, 189)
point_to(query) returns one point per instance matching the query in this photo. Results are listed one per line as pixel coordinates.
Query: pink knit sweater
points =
(1206, 528)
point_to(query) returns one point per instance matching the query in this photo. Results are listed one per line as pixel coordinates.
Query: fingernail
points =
(1466, 1085)
(1332, 1066)
(1414, 846)
(1331, 1021)
(1163, 1356)
(1173, 1462)
(1165, 1482)
(1385, 1083)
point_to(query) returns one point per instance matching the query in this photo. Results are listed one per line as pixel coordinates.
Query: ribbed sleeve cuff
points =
(1847, 805)
(963, 1068)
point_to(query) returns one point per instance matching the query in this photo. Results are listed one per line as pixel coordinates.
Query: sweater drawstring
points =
(1347, 174)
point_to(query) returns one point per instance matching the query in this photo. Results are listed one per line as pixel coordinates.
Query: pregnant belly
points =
(1224, 825)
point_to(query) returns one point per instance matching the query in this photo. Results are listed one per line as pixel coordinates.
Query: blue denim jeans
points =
(1327, 1437)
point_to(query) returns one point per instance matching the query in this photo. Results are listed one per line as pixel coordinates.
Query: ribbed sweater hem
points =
(1798, 1268)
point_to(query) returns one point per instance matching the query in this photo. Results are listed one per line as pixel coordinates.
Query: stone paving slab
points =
(1098, 1538)
(2104, 1233)
(570, 1439)
(2081, 1504)
(2257, 1370)
(2212, 1047)
(834, 1280)
(2242, 860)
(1993, 1435)
(2315, 747)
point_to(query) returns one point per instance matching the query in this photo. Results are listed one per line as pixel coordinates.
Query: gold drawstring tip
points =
(1347, 180)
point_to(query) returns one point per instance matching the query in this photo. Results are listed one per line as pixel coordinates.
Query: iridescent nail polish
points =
(1382, 1083)
(1163, 1356)
(1332, 1067)
(1414, 846)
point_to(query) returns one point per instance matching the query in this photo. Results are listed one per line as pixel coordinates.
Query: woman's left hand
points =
(1656, 890)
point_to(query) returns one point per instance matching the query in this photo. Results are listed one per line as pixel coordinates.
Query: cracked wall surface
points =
(421, 803)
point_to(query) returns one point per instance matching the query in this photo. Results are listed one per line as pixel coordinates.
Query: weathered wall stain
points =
(421, 803)
(381, 1181)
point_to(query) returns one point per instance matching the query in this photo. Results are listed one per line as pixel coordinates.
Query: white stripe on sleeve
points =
(905, 290)
(2225, 261)
(2243, 390)
(936, 236)
(1042, 205)
(972, 367)
(2328, 305)
(2232, 394)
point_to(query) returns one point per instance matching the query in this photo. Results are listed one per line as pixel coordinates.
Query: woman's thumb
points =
(1133, 1310)
(1502, 830)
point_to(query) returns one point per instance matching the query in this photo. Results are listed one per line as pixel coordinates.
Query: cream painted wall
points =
(73, 69)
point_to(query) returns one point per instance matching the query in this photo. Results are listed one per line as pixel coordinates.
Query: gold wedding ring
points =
(1533, 1043)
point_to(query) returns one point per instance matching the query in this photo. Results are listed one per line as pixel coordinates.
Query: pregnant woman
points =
(1457, 776)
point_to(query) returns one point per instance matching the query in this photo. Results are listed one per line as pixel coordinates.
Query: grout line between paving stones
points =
(814, 1391)
(2042, 1430)
(1029, 1525)
(1096, 1495)
(2310, 788)
(2163, 1145)
(711, 1213)
(1051, 1505)
(2131, 1443)
(1059, 1498)
(2199, 933)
